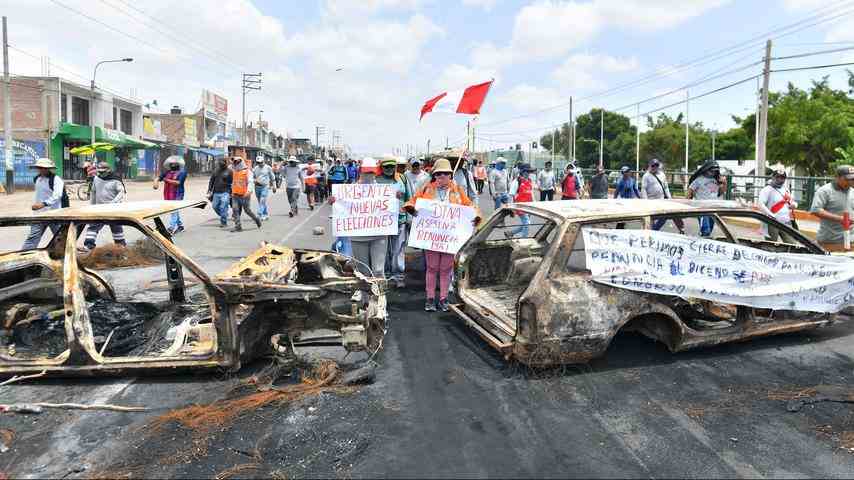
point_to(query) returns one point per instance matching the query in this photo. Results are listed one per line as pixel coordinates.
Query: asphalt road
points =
(444, 405)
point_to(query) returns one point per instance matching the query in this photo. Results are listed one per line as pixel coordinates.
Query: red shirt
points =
(525, 192)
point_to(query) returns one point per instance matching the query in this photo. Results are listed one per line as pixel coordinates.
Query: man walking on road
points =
(219, 191)
(241, 193)
(654, 187)
(627, 187)
(294, 184)
(499, 183)
(598, 185)
(777, 202)
(263, 175)
(337, 174)
(522, 191)
(173, 178)
(107, 187)
(832, 204)
(546, 183)
(352, 171)
(49, 195)
(310, 181)
(570, 187)
(706, 184)
(480, 176)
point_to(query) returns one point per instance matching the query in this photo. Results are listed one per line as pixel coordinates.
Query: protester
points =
(352, 171)
(107, 187)
(90, 170)
(832, 204)
(337, 174)
(310, 182)
(173, 178)
(241, 193)
(706, 184)
(499, 184)
(396, 244)
(777, 202)
(480, 176)
(627, 187)
(654, 187)
(294, 184)
(546, 183)
(277, 171)
(417, 177)
(263, 175)
(463, 177)
(219, 191)
(599, 185)
(369, 251)
(49, 195)
(570, 187)
(522, 190)
(442, 189)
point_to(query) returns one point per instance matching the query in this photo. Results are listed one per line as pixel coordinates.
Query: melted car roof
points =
(572, 209)
(108, 211)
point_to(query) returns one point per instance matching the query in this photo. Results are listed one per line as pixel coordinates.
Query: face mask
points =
(175, 167)
(499, 166)
(103, 174)
(778, 182)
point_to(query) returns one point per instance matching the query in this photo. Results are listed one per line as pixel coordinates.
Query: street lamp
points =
(92, 106)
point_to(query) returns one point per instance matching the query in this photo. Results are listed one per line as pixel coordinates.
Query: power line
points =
(61, 68)
(812, 54)
(708, 58)
(815, 67)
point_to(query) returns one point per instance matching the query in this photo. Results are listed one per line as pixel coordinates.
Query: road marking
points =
(300, 225)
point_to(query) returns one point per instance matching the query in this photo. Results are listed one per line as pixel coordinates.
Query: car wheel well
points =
(655, 325)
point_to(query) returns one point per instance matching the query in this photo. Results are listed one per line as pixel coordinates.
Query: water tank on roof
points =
(175, 110)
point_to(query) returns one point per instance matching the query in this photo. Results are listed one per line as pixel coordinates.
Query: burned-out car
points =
(64, 317)
(531, 294)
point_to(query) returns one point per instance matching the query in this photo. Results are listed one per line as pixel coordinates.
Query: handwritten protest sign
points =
(688, 267)
(441, 227)
(364, 209)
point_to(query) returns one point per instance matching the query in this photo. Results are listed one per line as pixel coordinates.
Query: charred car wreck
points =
(65, 318)
(533, 299)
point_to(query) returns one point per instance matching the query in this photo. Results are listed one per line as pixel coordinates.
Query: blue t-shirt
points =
(627, 188)
(338, 173)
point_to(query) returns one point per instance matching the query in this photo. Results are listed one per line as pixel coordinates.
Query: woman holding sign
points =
(443, 190)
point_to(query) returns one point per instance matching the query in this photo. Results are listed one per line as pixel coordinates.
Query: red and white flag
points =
(460, 101)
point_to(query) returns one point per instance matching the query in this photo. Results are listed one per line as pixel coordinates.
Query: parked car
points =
(533, 299)
(64, 318)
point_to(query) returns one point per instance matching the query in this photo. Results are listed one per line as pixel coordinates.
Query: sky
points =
(364, 68)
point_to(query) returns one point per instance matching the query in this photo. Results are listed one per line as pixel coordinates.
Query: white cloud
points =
(526, 97)
(803, 4)
(456, 76)
(484, 4)
(584, 71)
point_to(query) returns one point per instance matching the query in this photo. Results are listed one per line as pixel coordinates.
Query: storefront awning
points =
(214, 152)
(83, 133)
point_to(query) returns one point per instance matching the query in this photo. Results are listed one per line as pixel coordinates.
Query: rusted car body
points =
(275, 294)
(533, 298)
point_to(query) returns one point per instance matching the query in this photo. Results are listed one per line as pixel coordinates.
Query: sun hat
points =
(442, 165)
(43, 163)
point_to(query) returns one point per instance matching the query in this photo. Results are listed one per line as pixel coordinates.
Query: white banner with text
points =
(364, 209)
(441, 227)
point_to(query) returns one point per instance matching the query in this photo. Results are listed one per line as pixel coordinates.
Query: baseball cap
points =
(625, 169)
(655, 161)
(846, 171)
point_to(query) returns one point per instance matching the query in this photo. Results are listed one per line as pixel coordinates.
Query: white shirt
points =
(770, 196)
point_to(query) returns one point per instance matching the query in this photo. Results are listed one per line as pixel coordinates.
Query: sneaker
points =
(311, 207)
(179, 229)
(237, 229)
(258, 222)
(430, 306)
(357, 296)
(89, 246)
(291, 214)
(443, 304)
(223, 225)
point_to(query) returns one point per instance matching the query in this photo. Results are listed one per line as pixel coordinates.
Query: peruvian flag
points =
(460, 101)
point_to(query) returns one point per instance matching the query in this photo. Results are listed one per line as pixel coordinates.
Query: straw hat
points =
(43, 163)
(442, 165)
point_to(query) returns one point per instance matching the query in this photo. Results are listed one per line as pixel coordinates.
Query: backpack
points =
(64, 201)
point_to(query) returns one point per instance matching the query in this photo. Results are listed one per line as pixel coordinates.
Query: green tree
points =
(619, 137)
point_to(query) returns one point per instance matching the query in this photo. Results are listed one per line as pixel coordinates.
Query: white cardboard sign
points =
(690, 267)
(441, 227)
(364, 209)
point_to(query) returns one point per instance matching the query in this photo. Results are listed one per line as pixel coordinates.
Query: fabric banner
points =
(441, 227)
(364, 209)
(690, 267)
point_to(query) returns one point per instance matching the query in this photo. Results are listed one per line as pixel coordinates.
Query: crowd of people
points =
(456, 180)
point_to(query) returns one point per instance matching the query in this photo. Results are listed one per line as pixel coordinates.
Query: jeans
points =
(656, 225)
(343, 246)
(523, 228)
(395, 261)
(175, 221)
(35, 236)
(547, 195)
(261, 193)
(220, 203)
(479, 184)
(93, 230)
(238, 205)
(370, 254)
(707, 224)
(442, 264)
(501, 199)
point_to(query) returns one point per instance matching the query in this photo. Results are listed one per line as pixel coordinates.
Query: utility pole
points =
(601, 138)
(251, 81)
(687, 126)
(7, 117)
(317, 132)
(637, 140)
(713, 145)
(468, 135)
(570, 135)
(428, 146)
(762, 146)
(553, 147)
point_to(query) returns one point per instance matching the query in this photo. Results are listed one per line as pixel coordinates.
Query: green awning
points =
(82, 133)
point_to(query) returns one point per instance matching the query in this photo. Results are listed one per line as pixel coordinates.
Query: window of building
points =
(63, 107)
(79, 111)
(115, 118)
(127, 122)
